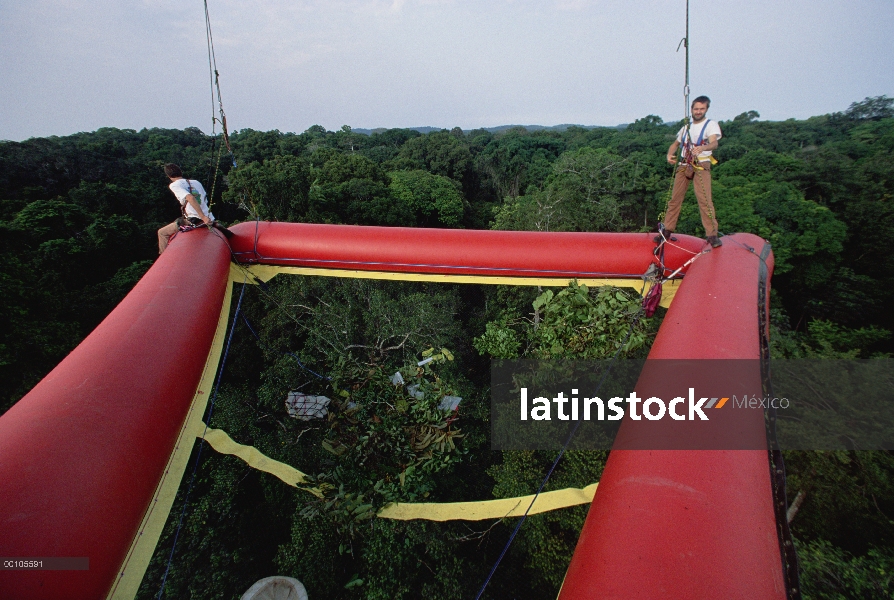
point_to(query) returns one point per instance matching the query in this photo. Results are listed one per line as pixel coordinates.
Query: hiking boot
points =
(668, 236)
(714, 241)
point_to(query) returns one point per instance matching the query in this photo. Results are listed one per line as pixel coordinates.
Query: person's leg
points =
(702, 184)
(164, 235)
(681, 184)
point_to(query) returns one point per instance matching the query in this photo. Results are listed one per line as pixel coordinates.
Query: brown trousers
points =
(165, 233)
(701, 179)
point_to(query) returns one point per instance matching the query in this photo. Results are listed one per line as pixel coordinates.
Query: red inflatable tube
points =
(690, 524)
(81, 454)
(455, 251)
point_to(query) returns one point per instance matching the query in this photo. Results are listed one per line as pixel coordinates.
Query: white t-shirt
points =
(181, 190)
(703, 130)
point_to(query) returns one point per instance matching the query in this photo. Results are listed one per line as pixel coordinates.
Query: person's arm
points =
(709, 147)
(184, 196)
(672, 152)
(198, 208)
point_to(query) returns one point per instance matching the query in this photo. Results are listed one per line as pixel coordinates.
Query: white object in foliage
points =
(304, 407)
(276, 588)
(397, 379)
(449, 402)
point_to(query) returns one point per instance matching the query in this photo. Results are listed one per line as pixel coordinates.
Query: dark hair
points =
(703, 100)
(172, 170)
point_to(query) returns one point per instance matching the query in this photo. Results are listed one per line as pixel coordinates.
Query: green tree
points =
(434, 199)
(440, 153)
(582, 194)
(276, 189)
(350, 188)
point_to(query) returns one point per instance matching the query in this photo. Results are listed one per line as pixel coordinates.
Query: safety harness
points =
(689, 159)
(186, 220)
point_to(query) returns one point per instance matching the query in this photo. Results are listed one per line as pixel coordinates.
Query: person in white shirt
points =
(698, 140)
(193, 205)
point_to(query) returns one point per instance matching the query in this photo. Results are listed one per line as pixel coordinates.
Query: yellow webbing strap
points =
(490, 509)
(267, 272)
(143, 546)
(697, 166)
(224, 444)
(138, 556)
(430, 511)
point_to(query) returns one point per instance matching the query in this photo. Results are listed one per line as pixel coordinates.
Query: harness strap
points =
(185, 202)
(701, 135)
(693, 161)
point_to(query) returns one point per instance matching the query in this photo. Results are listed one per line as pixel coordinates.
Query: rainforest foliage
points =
(78, 216)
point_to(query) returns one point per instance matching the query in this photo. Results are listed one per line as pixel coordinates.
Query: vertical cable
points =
(686, 85)
(212, 66)
(687, 119)
(611, 363)
(201, 444)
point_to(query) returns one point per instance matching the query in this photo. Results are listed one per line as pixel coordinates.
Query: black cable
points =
(777, 466)
(201, 444)
(787, 551)
(286, 352)
(558, 458)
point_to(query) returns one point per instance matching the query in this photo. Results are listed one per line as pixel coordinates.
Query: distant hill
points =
(499, 128)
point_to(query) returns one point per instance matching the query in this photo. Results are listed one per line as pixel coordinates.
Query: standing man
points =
(699, 140)
(193, 205)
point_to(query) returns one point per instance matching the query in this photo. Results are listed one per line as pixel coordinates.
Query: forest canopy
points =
(78, 216)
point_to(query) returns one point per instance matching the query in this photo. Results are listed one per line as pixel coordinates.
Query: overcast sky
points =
(77, 65)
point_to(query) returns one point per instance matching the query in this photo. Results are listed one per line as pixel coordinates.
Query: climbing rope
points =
(686, 106)
(687, 117)
(214, 76)
(215, 83)
(686, 86)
